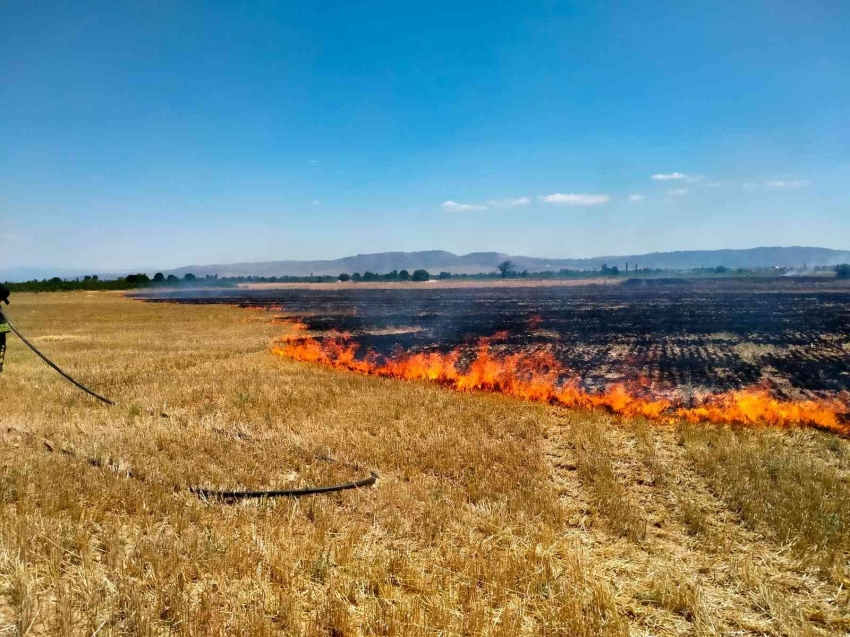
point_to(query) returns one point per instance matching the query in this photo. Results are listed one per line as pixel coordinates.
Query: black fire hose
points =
(56, 367)
(202, 491)
(286, 493)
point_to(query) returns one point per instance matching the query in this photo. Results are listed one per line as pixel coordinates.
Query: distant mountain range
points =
(440, 261)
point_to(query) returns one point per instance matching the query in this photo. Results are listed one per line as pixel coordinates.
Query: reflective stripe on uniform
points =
(4, 327)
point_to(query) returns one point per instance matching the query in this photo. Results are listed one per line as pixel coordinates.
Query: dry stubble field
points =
(492, 516)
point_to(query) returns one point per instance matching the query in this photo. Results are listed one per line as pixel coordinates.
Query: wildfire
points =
(537, 376)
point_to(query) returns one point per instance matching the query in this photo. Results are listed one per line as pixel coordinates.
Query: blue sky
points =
(171, 133)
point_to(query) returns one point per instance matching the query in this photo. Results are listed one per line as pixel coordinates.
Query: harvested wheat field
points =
(492, 515)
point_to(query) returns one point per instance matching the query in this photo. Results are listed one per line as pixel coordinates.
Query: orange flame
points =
(537, 376)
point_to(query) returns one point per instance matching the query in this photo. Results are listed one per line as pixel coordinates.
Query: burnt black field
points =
(792, 335)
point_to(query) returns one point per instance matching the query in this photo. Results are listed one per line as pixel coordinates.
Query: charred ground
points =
(790, 334)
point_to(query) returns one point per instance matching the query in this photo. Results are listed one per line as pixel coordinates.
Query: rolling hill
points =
(475, 262)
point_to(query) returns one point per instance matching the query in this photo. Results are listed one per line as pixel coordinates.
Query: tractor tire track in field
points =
(695, 568)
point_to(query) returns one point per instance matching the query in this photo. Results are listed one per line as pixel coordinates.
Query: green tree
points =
(345, 276)
(137, 279)
(172, 279)
(842, 271)
(505, 268)
(189, 277)
(356, 277)
(420, 275)
(403, 275)
(159, 277)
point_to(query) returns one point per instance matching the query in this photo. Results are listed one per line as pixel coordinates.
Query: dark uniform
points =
(4, 326)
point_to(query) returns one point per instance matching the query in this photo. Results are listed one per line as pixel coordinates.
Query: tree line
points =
(504, 270)
(395, 275)
(94, 283)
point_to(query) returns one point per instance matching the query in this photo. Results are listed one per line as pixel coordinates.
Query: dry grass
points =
(595, 462)
(492, 517)
(681, 598)
(778, 485)
(697, 569)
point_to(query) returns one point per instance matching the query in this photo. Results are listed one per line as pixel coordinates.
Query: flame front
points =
(537, 376)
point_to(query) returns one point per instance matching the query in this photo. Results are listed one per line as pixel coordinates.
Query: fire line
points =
(538, 377)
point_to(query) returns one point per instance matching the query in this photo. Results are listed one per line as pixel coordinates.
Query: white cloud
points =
(636, 197)
(577, 199)
(799, 183)
(516, 201)
(712, 184)
(675, 176)
(453, 206)
(678, 191)
(316, 202)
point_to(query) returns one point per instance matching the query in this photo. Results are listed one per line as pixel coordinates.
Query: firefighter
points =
(4, 326)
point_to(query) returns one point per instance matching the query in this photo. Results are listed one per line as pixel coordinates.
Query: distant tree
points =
(137, 279)
(505, 268)
(159, 277)
(843, 271)
(420, 275)
(403, 275)
(369, 276)
(356, 277)
(445, 275)
(391, 276)
(189, 277)
(87, 278)
(345, 277)
(612, 271)
(172, 279)
(721, 270)
(94, 277)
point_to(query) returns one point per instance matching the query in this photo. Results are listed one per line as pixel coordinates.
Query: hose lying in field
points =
(56, 367)
(214, 494)
(202, 492)
(287, 493)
